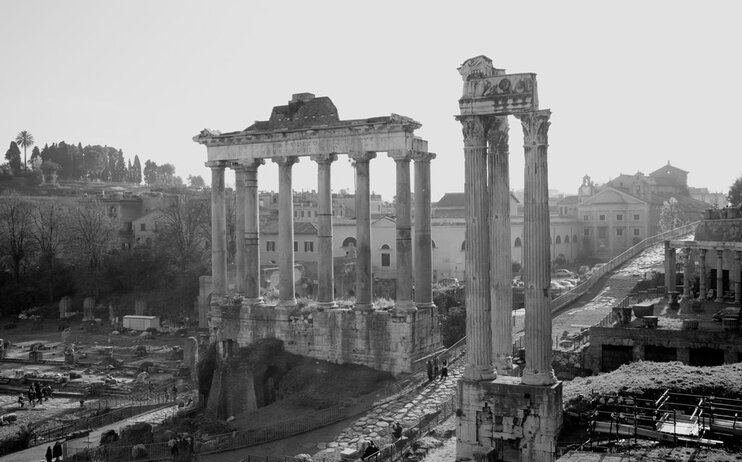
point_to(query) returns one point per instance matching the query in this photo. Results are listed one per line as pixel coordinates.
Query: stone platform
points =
(384, 340)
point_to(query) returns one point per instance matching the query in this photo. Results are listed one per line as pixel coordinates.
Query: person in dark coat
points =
(49, 454)
(57, 451)
(435, 367)
(429, 366)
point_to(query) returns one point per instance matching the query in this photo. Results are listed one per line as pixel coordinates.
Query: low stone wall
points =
(377, 339)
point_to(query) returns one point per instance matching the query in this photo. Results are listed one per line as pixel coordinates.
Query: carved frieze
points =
(499, 95)
(535, 127)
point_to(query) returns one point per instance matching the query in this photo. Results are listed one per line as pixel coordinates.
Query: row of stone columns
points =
(247, 256)
(670, 259)
(488, 259)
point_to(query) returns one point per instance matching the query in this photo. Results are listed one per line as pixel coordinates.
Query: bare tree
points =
(90, 235)
(15, 231)
(47, 231)
(186, 221)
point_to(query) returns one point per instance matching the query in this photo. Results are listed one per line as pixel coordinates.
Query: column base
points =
(479, 373)
(405, 307)
(530, 377)
(327, 305)
(253, 301)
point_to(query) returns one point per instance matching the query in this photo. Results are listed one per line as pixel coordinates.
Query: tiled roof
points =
(300, 227)
(568, 200)
(452, 200)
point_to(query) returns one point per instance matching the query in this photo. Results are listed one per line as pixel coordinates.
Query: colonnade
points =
(247, 255)
(735, 271)
(488, 259)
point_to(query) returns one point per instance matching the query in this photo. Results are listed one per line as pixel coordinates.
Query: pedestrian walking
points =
(49, 454)
(429, 366)
(20, 399)
(435, 367)
(444, 371)
(57, 451)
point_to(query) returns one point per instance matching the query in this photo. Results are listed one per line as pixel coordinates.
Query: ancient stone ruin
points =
(310, 127)
(503, 416)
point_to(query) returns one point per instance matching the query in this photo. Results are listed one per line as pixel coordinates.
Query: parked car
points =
(564, 273)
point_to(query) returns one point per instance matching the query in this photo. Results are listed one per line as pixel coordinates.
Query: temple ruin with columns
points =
(505, 414)
(309, 127)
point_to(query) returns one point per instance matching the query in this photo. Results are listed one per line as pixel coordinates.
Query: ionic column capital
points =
(400, 155)
(325, 158)
(419, 156)
(285, 161)
(362, 156)
(248, 164)
(473, 129)
(216, 164)
(535, 127)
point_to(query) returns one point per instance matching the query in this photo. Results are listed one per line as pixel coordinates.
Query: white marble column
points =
(719, 275)
(670, 261)
(286, 283)
(500, 252)
(252, 232)
(404, 303)
(218, 228)
(478, 322)
(326, 290)
(364, 287)
(737, 282)
(702, 276)
(423, 242)
(536, 250)
(240, 261)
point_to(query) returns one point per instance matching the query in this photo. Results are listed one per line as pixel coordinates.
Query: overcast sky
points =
(631, 85)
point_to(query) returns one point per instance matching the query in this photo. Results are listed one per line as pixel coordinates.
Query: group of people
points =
(36, 394)
(436, 370)
(54, 453)
(181, 444)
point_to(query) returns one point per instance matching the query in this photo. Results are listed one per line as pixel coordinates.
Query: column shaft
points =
(218, 229)
(286, 283)
(326, 292)
(364, 287)
(738, 275)
(500, 252)
(670, 272)
(686, 274)
(404, 302)
(423, 241)
(702, 276)
(536, 251)
(252, 232)
(239, 228)
(719, 275)
(478, 323)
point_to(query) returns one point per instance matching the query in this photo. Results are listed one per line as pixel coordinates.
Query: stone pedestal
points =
(509, 420)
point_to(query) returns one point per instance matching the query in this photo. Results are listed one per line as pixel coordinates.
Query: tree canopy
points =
(735, 193)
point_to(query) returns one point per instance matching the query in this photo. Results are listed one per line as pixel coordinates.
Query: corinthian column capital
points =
(498, 135)
(286, 161)
(535, 127)
(473, 129)
(325, 158)
(249, 164)
(216, 163)
(362, 156)
(419, 156)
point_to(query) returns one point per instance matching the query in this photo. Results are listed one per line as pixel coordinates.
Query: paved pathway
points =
(37, 453)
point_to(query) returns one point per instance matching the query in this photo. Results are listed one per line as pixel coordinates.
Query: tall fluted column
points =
(670, 261)
(326, 292)
(286, 283)
(218, 228)
(252, 232)
(702, 276)
(687, 268)
(364, 288)
(240, 260)
(500, 252)
(737, 282)
(404, 302)
(478, 323)
(719, 275)
(536, 243)
(423, 242)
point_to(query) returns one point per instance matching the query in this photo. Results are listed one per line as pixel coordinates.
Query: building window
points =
(566, 239)
(586, 218)
(619, 217)
(296, 246)
(602, 232)
(559, 239)
(637, 232)
(385, 259)
(517, 242)
(574, 239)
(143, 227)
(636, 217)
(308, 246)
(601, 217)
(270, 246)
(586, 232)
(619, 231)
(302, 213)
